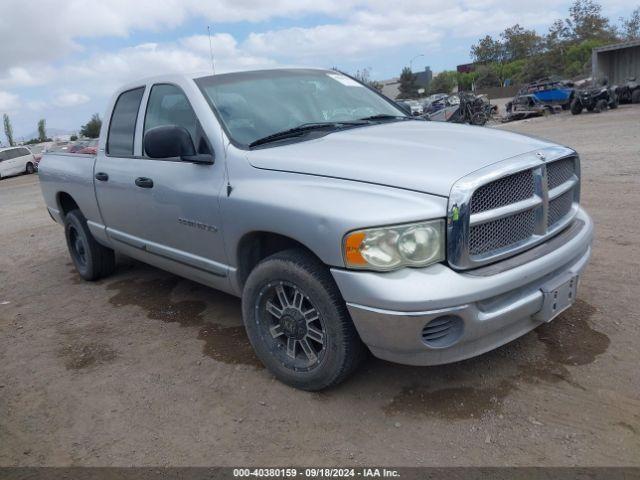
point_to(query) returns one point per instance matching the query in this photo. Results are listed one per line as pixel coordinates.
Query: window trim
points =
(135, 124)
(198, 126)
(240, 146)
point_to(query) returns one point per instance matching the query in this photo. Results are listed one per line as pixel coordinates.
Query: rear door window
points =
(122, 127)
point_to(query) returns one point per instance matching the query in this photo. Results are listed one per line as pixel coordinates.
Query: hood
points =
(422, 156)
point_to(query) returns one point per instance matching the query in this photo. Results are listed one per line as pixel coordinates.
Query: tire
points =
(576, 107)
(614, 103)
(601, 105)
(298, 322)
(92, 260)
(635, 96)
(30, 168)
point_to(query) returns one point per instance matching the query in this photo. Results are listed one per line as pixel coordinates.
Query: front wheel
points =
(576, 107)
(298, 322)
(30, 168)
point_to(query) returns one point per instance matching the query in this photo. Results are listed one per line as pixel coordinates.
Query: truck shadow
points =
(465, 389)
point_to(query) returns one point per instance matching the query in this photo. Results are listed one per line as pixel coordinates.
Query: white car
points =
(16, 160)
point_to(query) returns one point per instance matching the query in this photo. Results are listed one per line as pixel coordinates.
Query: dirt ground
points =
(145, 368)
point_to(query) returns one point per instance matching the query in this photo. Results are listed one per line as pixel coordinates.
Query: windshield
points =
(253, 105)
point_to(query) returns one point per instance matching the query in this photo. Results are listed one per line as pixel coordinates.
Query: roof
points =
(618, 46)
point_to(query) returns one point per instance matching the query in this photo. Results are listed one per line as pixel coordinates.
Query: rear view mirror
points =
(171, 141)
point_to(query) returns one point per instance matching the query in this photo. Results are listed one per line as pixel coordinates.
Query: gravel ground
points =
(145, 368)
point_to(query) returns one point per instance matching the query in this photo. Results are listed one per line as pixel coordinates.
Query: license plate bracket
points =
(558, 295)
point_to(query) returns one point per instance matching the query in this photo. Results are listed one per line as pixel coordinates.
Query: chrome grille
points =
(503, 191)
(504, 209)
(501, 233)
(560, 172)
(559, 207)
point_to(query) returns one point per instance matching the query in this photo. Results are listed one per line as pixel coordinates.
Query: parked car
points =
(462, 107)
(342, 222)
(91, 148)
(629, 92)
(551, 92)
(595, 100)
(434, 103)
(16, 160)
(527, 106)
(414, 105)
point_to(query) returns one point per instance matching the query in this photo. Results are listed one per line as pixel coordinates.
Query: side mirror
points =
(406, 108)
(170, 141)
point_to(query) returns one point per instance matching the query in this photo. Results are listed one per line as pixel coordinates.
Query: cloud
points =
(43, 31)
(70, 99)
(8, 101)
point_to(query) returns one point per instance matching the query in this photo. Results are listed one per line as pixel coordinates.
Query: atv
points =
(629, 92)
(594, 100)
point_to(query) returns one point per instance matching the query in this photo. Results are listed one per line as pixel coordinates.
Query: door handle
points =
(144, 182)
(103, 177)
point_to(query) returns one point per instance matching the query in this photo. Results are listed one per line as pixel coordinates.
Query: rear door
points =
(24, 157)
(167, 207)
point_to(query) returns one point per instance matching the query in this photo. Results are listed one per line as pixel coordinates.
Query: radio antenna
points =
(213, 68)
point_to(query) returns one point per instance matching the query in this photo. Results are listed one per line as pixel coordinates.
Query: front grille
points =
(501, 233)
(506, 215)
(559, 207)
(560, 172)
(504, 191)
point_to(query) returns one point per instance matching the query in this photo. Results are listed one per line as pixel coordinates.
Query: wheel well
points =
(66, 202)
(256, 246)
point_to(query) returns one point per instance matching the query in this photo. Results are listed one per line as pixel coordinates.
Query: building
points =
(466, 68)
(616, 62)
(423, 79)
(391, 87)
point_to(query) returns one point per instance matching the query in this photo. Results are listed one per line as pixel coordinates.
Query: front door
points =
(168, 207)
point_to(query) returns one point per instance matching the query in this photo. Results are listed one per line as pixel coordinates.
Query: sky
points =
(62, 60)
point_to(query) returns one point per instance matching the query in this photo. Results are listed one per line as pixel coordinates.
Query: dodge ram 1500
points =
(345, 225)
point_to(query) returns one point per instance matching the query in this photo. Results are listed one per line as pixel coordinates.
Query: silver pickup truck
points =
(345, 225)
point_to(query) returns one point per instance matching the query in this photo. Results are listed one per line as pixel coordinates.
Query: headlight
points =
(389, 248)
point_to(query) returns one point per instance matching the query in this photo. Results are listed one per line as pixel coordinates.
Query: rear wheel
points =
(298, 322)
(601, 106)
(30, 168)
(92, 260)
(635, 96)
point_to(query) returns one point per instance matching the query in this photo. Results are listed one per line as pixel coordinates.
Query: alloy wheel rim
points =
(291, 325)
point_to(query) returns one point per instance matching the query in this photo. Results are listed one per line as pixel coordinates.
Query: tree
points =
(73, 138)
(92, 128)
(519, 43)
(487, 50)
(8, 129)
(364, 76)
(487, 76)
(631, 26)
(42, 130)
(586, 22)
(443, 82)
(408, 87)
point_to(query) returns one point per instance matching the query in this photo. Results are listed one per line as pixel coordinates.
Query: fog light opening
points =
(442, 332)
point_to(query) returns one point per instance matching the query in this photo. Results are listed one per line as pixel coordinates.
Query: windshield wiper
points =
(302, 129)
(385, 116)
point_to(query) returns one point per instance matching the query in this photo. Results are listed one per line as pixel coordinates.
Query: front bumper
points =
(491, 305)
